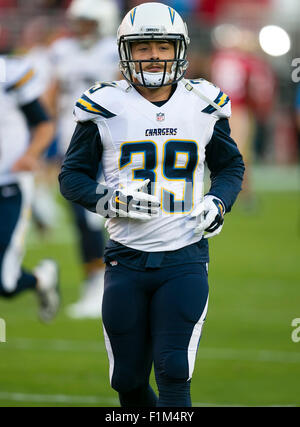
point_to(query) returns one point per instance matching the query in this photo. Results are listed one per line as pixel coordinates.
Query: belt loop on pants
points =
(154, 260)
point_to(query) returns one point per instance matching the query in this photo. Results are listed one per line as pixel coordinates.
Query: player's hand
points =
(134, 202)
(211, 215)
(26, 163)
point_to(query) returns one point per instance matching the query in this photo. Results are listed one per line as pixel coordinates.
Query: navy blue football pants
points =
(14, 216)
(153, 317)
(91, 240)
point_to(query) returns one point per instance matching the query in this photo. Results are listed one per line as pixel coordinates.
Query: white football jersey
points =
(19, 88)
(77, 67)
(165, 144)
(40, 59)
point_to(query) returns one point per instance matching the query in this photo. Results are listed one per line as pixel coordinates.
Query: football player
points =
(25, 132)
(79, 61)
(152, 132)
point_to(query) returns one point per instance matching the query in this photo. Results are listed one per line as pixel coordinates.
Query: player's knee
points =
(125, 382)
(175, 366)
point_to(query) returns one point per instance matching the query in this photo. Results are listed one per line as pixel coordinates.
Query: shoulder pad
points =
(21, 81)
(18, 72)
(101, 101)
(217, 102)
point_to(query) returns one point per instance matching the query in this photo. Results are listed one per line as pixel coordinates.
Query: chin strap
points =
(153, 80)
(190, 88)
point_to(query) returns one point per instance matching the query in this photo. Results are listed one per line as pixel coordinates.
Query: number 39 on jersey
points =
(173, 178)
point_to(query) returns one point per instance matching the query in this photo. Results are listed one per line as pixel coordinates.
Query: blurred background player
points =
(25, 132)
(78, 61)
(249, 81)
(34, 42)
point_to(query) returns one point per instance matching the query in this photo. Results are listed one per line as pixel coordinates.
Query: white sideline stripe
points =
(56, 398)
(248, 355)
(56, 345)
(100, 400)
(275, 178)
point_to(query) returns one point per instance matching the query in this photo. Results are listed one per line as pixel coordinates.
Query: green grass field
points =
(246, 355)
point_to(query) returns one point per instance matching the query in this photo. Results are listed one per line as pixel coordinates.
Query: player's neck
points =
(155, 95)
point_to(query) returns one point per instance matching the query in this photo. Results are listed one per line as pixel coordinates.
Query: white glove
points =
(134, 202)
(210, 216)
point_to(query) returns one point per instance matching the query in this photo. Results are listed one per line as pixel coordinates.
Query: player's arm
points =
(50, 97)
(78, 176)
(24, 87)
(226, 165)
(42, 132)
(78, 180)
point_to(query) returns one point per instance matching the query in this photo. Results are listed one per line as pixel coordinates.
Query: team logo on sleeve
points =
(160, 117)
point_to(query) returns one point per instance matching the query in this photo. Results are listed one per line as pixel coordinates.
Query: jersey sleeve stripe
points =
(22, 81)
(86, 104)
(222, 99)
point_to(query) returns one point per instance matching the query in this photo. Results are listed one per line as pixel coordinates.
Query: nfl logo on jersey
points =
(160, 117)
